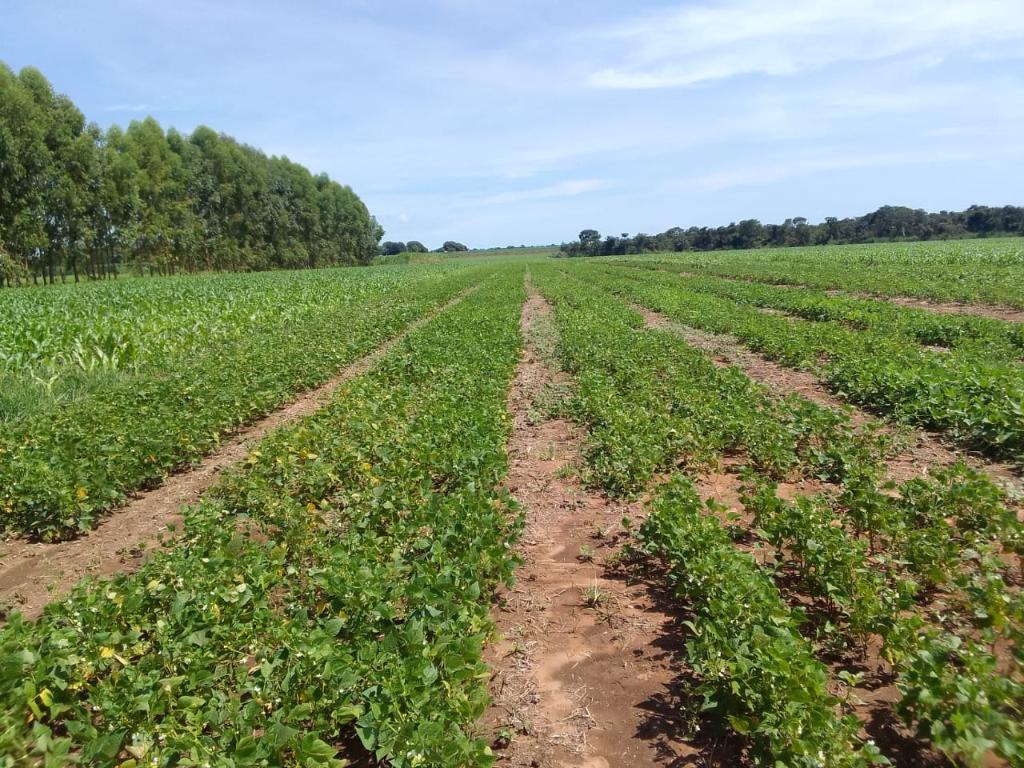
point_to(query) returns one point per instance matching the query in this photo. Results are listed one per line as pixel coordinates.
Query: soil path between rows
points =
(876, 695)
(1006, 314)
(585, 671)
(923, 449)
(32, 574)
(992, 311)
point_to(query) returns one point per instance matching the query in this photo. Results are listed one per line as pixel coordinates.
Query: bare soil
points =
(587, 669)
(874, 698)
(1006, 314)
(996, 312)
(920, 449)
(33, 574)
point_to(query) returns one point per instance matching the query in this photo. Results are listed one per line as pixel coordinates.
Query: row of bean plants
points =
(925, 570)
(965, 333)
(757, 669)
(332, 590)
(59, 469)
(988, 270)
(626, 387)
(649, 400)
(977, 402)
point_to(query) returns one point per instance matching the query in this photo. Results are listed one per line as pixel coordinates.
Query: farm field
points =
(754, 508)
(156, 374)
(986, 271)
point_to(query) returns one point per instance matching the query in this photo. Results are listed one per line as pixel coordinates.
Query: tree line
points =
(888, 223)
(394, 247)
(78, 201)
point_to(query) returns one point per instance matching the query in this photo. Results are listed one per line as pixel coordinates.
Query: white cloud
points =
(780, 169)
(570, 188)
(130, 108)
(695, 44)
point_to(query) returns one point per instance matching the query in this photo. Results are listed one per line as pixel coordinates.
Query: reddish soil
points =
(33, 574)
(586, 671)
(1007, 314)
(874, 699)
(920, 449)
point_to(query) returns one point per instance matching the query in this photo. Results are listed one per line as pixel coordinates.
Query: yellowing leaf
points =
(138, 750)
(106, 652)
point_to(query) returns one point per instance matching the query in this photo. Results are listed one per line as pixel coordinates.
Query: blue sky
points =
(498, 123)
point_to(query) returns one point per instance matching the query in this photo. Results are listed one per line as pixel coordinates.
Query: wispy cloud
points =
(694, 44)
(528, 121)
(147, 108)
(570, 188)
(783, 168)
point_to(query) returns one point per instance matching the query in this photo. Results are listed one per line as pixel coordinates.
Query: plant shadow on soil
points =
(674, 713)
(351, 750)
(877, 693)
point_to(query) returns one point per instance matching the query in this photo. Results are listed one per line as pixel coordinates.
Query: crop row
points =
(990, 271)
(650, 401)
(757, 669)
(977, 402)
(967, 333)
(954, 687)
(333, 588)
(942, 536)
(59, 345)
(140, 322)
(60, 469)
(636, 390)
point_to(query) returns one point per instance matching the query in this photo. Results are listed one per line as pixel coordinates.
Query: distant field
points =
(979, 270)
(777, 493)
(488, 254)
(108, 386)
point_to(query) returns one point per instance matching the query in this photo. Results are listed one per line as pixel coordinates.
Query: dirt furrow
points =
(1006, 314)
(876, 695)
(585, 670)
(33, 574)
(922, 449)
(993, 311)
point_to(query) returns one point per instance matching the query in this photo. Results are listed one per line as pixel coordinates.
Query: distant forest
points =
(76, 200)
(889, 223)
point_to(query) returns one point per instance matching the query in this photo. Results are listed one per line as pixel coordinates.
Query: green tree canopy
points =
(74, 198)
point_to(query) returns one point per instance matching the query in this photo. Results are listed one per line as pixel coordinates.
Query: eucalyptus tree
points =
(75, 198)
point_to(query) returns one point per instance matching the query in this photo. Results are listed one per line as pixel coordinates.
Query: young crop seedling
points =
(594, 596)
